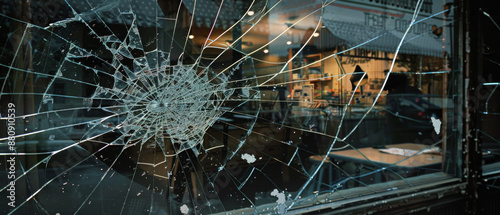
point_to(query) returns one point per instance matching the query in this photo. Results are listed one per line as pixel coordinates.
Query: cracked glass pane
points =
(222, 106)
(488, 92)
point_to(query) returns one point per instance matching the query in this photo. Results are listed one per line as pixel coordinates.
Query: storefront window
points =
(210, 106)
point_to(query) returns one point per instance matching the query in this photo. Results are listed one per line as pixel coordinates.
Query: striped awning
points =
(377, 39)
(146, 12)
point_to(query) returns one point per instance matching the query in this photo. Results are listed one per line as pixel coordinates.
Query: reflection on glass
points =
(488, 92)
(201, 107)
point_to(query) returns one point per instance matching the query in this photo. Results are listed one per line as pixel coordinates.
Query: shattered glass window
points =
(488, 92)
(223, 106)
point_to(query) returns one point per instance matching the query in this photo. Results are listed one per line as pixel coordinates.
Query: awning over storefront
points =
(373, 27)
(229, 10)
(371, 38)
(146, 12)
(205, 13)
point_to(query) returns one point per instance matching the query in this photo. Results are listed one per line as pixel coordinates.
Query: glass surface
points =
(212, 106)
(488, 91)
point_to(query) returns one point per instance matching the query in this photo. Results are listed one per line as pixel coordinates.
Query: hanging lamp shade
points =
(357, 77)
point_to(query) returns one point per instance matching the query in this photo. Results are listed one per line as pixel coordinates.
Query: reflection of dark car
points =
(410, 114)
(410, 117)
(93, 122)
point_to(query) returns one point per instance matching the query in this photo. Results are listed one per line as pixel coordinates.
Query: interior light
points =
(289, 42)
(266, 51)
(316, 34)
(191, 36)
(251, 13)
